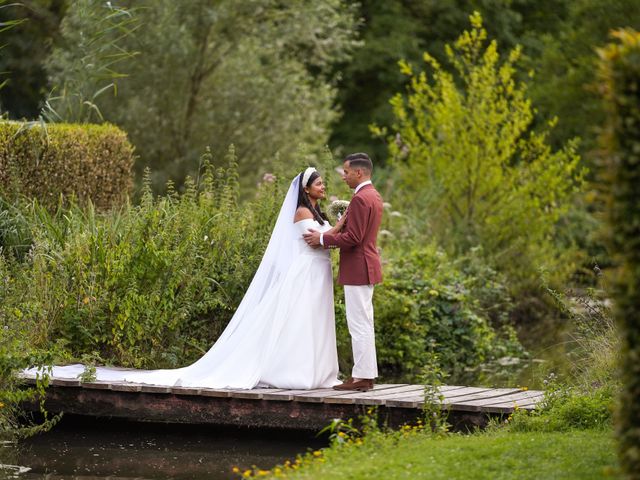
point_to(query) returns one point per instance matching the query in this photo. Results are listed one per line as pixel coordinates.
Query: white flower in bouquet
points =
(336, 209)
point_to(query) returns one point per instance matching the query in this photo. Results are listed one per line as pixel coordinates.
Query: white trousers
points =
(358, 301)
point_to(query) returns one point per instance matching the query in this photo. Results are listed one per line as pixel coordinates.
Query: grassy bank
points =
(575, 454)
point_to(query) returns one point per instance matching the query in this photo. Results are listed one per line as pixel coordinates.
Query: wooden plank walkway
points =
(280, 408)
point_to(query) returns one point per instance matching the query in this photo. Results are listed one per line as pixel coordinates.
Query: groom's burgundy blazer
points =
(359, 258)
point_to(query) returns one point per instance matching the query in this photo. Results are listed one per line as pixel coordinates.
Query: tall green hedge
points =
(620, 75)
(90, 162)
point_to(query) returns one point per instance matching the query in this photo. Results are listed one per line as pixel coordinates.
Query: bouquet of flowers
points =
(336, 209)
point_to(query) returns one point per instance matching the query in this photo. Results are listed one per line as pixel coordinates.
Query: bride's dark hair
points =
(303, 199)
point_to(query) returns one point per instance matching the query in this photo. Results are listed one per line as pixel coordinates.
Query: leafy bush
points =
(88, 162)
(427, 304)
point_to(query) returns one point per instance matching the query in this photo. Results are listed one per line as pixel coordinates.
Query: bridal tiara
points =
(307, 175)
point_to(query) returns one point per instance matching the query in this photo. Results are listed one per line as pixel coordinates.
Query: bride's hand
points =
(340, 223)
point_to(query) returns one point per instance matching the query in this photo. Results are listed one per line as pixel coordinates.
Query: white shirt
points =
(366, 182)
(360, 185)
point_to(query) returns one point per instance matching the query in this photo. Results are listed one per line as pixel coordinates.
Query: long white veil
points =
(277, 259)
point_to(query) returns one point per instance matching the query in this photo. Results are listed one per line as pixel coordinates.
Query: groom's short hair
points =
(360, 160)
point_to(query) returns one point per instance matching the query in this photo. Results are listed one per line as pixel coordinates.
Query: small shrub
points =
(91, 163)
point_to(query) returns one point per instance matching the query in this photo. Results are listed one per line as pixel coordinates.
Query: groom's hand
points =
(312, 238)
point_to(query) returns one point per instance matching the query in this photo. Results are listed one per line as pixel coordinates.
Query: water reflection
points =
(79, 448)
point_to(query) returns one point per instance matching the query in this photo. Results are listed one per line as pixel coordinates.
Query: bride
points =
(283, 333)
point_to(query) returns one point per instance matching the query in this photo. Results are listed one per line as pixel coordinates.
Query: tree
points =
(257, 74)
(564, 63)
(26, 48)
(467, 159)
(394, 30)
(620, 78)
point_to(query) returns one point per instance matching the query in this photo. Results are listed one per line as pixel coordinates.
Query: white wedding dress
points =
(283, 332)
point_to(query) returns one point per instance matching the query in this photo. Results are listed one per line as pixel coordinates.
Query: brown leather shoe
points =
(359, 386)
(346, 385)
(363, 385)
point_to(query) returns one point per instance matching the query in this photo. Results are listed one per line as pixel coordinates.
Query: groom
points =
(359, 266)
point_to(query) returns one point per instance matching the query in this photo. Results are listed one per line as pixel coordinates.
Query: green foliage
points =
(258, 74)
(92, 163)
(463, 142)
(620, 78)
(427, 305)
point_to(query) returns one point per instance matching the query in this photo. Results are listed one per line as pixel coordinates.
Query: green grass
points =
(585, 454)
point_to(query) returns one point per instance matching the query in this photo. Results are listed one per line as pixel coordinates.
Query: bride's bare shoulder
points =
(302, 213)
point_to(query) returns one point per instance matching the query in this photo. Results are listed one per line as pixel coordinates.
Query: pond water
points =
(79, 448)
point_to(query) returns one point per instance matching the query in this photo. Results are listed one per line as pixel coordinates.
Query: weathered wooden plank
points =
(449, 394)
(446, 391)
(65, 382)
(525, 402)
(350, 396)
(521, 396)
(463, 392)
(185, 391)
(96, 385)
(215, 392)
(464, 403)
(318, 396)
(255, 394)
(402, 403)
(375, 397)
(126, 387)
(154, 389)
(285, 395)
(489, 393)
(450, 388)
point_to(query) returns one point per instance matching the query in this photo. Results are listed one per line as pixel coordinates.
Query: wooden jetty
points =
(396, 404)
